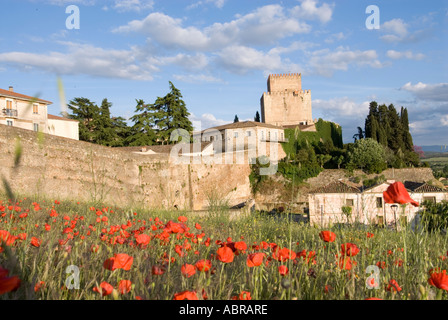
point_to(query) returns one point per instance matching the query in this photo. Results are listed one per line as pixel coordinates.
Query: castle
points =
(285, 103)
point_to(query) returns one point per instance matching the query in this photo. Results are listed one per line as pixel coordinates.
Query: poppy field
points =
(67, 250)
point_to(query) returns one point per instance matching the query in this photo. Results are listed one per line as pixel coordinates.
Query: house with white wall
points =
(368, 205)
(31, 113)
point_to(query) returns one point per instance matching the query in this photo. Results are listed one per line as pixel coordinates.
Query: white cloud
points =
(196, 78)
(444, 120)
(133, 5)
(397, 31)
(218, 3)
(335, 37)
(325, 62)
(430, 92)
(343, 106)
(85, 59)
(205, 121)
(309, 10)
(241, 59)
(404, 54)
(262, 26)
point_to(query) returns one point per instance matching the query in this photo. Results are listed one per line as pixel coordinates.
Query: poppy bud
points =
(286, 283)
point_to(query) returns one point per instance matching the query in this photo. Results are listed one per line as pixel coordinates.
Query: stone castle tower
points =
(285, 103)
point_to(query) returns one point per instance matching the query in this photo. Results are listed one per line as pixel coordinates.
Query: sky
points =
(219, 53)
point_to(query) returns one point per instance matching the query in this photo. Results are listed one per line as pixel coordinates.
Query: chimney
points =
(11, 89)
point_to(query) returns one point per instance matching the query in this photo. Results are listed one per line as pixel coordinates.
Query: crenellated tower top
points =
(285, 82)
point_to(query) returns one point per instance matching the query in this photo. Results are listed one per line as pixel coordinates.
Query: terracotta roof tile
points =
(12, 94)
(422, 187)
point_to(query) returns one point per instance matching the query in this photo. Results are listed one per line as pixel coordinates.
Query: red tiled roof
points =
(52, 117)
(12, 94)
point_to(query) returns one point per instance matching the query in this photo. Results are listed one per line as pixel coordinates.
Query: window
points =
(35, 108)
(349, 202)
(281, 134)
(379, 202)
(262, 135)
(269, 135)
(235, 134)
(9, 122)
(36, 127)
(9, 104)
(248, 133)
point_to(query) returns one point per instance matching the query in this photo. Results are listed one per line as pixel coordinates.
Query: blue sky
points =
(220, 52)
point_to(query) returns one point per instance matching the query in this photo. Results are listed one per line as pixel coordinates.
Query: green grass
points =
(305, 281)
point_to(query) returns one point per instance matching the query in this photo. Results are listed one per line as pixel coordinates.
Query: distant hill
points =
(435, 148)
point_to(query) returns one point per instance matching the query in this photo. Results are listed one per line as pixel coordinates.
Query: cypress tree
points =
(236, 119)
(395, 138)
(407, 138)
(257, 117)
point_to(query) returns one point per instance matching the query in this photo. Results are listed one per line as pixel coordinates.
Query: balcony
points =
(10, 113)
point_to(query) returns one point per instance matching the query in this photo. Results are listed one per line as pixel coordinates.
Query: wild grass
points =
(408, 255)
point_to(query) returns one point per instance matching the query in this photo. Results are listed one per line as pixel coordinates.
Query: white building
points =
(368, 206)
(26, 112)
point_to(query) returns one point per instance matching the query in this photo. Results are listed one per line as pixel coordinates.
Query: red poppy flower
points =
(244, 295)
(142, 240)
(188, 270)
(186, 295)
(105, 288)
(182, 219)
(225, 254)
(124, 286)
(255, 259)
(198, 226)
(393, 286)
(283, 254)
(39, 286)
(327, 236)
(349, 249)
(283, 270)
(8, 284)
(203, 265)
(439, 279)
(35, 242)
(157, 270)
(240, 245)
(345, 263)
(119, 261)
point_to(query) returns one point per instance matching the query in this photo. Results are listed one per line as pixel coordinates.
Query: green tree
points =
(257, 117)
(142, 132)
(368, 155)
(407, 138)
(106, 134)
(88, 115)
(236, 119)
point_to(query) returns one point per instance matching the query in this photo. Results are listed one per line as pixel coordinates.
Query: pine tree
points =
(106, 134)
(236, 119)
(170, 113)
(142, 132)
(88, 115)
(257, 117)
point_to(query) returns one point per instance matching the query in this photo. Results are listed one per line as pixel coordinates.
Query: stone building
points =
(31, 113)
(285, 103)
(368, 205)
